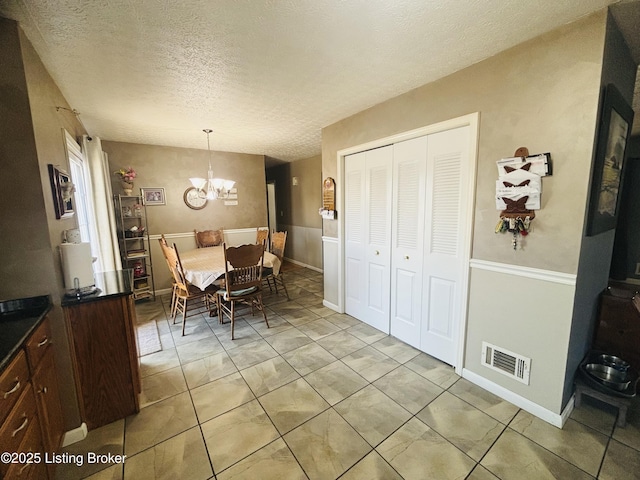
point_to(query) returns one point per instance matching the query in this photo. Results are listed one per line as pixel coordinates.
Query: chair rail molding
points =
(528, 272)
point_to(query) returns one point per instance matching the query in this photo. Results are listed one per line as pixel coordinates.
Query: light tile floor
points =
(321, 395)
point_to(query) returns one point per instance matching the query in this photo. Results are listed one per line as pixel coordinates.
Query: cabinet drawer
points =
(12, 383)
(32, 443)
(15, 427)
(37, 344)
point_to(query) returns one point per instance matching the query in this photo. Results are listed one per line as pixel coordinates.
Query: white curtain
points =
(103, 228)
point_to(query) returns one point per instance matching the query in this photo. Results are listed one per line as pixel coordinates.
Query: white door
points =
(368, 235)
(409, 172)
(447, 193)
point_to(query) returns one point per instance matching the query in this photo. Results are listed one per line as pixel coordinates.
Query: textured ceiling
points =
(265, 75)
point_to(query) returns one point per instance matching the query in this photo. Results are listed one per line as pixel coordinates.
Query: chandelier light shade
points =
(213, 187)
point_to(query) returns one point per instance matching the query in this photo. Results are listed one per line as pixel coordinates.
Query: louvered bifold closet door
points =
(409, 172)
(447, 192)
(368, 235)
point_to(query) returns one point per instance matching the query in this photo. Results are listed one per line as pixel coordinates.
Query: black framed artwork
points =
(62, 189)
(608, 168)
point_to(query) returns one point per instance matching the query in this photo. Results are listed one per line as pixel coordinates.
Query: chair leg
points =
(281, 277)
(213, 298)
(174, 312)
(173, 297)
(184, 316)
(261, 308)
(219, 302)
(233, 317)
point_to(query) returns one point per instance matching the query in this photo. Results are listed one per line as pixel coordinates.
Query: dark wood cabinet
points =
(44, 378)
(30, 410)
(618, 329)
(47, 392)
(104, 357)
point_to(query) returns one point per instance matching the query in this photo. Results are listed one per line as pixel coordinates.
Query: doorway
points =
(271, 207)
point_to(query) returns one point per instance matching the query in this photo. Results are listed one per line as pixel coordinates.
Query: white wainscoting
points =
(527, 311)
(332, 280)
(304, 246)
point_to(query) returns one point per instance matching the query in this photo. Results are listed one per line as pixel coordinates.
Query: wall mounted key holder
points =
(519, 191)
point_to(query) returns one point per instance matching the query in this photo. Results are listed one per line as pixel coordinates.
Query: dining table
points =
(203, 266)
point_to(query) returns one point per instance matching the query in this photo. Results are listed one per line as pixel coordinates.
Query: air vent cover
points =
(506, 362)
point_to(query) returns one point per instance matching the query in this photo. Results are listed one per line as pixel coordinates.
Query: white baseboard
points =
(566, 413)
(310, 267)
(548, 416)
(332, 306)
(75, 435)
(163, 291)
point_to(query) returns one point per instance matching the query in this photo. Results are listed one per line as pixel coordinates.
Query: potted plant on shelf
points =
(126, 176)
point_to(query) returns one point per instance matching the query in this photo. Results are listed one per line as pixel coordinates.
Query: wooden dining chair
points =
(242, 282)
(209, 238)
(187, 297)
(278, 242)
(163, 246)
(262, 235)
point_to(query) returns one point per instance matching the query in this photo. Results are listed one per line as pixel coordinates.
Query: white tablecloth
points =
(203, 266)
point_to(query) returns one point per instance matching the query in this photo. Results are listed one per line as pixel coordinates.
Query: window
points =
(76, 165)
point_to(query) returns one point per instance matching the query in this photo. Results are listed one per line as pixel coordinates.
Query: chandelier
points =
(213, 187)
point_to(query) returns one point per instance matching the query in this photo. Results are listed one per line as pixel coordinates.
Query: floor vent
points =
(506, 362)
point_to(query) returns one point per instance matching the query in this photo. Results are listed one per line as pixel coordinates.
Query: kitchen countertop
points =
(18, 319)
(110, 284)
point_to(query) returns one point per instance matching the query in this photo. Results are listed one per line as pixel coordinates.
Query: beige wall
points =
(31, 137)
(297, 208)
(542, 95)
(306, 197)
(171, 168)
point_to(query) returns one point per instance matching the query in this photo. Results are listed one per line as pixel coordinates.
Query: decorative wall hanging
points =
(194, 198)
(328, 210)
(608, 166)
(62, 189)
(153, 196)
(519, 191)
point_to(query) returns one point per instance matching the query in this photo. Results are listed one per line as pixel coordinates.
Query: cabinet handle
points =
(377, 252)
(43, 342)
(13, 390)
(43, 390)
(21, 427)
(24, 467)
(406, 257)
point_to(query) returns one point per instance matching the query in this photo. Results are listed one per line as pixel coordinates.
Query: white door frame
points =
(473, 121)
(272, 215)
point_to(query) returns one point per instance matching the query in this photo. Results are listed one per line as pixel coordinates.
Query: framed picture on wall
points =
(62, 189)
(608, 168)
(153, 196)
